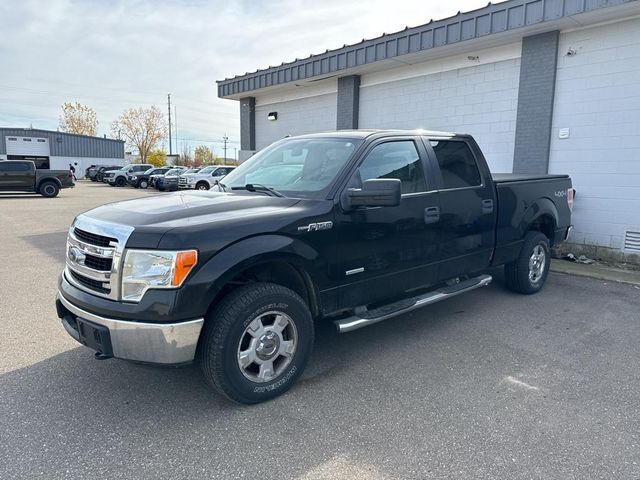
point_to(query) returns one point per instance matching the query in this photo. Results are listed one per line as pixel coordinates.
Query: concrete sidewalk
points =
(596, 270)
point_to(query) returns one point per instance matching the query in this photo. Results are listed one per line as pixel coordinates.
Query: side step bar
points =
(369, 317)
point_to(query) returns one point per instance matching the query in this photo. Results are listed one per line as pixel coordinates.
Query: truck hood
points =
(164, 212)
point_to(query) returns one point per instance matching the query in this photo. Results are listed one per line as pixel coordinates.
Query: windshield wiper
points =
(258, 187)
(221, 186)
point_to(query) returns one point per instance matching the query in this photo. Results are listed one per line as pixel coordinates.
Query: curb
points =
(600, 272)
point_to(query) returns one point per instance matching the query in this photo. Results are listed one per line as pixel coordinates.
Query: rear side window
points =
(457, 164)
(395, 160)
(14, 167)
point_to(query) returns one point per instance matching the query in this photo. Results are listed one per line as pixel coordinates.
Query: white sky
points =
(119, 54)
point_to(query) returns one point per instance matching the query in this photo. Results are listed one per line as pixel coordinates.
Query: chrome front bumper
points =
(161, 343)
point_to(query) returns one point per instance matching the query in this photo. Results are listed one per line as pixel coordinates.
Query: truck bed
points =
(522, 177)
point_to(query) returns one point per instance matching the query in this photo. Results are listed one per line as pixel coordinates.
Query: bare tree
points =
(141, 128)
(78, 118)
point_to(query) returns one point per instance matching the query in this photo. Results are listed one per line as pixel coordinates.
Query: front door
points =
(16, 175)
(384, 251)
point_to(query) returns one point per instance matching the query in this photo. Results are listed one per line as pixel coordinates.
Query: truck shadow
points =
(52, 244)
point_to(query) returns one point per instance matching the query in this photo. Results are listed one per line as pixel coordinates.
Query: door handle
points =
(431, 215)
(487, 206)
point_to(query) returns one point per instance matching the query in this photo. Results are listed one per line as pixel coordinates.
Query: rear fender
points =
(47, 179)
(540, 208)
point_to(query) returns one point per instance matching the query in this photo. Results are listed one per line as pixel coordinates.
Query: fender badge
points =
(315, 227)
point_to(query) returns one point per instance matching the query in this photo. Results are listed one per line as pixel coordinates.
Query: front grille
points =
(98, 263)
(94, 239)
(182, 181)
(90, 283)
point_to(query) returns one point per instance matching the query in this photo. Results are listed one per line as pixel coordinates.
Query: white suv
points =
(205, 178)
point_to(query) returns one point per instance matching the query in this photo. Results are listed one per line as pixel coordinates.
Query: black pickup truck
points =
(352, 227)
(22, 176)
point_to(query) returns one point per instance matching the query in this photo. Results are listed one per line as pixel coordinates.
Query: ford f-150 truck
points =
(352, 227)
(23, 176)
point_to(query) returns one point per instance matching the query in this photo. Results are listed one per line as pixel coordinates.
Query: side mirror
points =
(378, 192)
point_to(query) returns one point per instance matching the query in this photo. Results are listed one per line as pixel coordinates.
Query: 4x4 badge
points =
(315, 227)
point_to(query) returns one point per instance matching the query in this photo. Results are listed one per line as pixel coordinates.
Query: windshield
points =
(173, 172)
(207, 169)
(297, 167)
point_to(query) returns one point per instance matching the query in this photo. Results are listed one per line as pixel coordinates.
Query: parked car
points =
(363, 226)
(99, 177)
(141, 180)
(22, 176)
(118, 178)
(169, 181)
(88, 170)
(205, 178)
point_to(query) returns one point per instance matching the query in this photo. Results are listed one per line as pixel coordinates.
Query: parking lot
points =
(489, 384)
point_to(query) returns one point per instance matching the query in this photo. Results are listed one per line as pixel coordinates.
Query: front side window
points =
(298, 167)
(457, 164)
(399, 160)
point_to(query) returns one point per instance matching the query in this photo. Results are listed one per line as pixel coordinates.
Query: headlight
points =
(145, 269)
(133, 177)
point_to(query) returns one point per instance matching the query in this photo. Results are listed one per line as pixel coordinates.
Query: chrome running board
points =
(364, 318)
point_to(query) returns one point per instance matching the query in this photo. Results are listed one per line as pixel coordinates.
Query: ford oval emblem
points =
(76, 255)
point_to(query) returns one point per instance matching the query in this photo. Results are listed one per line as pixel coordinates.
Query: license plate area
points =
(95, 337)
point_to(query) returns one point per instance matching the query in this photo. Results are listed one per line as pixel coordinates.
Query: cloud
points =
(115, 55)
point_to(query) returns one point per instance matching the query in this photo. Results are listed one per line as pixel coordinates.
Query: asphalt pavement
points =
(489, 384)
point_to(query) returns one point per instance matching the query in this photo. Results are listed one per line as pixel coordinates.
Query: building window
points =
(26, 139)
(41, 140)
(12, 139)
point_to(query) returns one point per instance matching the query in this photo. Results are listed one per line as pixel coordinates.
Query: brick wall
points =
(480, 100)
(295, 117)
(598, 100)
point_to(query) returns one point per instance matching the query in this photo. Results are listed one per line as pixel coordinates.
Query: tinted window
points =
(457, 164)
(14, 167)
(395, 160)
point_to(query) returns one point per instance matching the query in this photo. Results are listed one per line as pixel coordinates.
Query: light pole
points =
(225, 139)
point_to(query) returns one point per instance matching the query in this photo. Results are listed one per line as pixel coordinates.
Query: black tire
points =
(93, 179)
(49, 189)
(120, 182)
(225, 330)
(202, 186)
(161, 189)
(143, 183)
(520, 275)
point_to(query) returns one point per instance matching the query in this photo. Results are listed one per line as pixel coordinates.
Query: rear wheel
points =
(202, 186)
(256, 342)
(120, 182)
(529, 271)
(49, 189)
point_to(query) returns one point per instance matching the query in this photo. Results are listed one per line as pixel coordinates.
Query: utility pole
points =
(175, 111)
(225, 139)
(169, 108)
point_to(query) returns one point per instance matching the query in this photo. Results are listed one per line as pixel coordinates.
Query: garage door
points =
(32, 146)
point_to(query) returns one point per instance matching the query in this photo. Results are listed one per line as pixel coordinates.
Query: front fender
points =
(199, 290)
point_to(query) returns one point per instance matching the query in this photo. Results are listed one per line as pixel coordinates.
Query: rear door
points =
(468, 209)
(17, 175)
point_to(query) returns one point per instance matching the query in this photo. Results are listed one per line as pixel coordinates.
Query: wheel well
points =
(279, 272)
(546, 225)
(49, 179)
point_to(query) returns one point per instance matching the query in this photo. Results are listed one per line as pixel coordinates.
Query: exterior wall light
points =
(272, 116)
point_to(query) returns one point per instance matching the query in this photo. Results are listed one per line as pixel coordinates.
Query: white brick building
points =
(543, 85)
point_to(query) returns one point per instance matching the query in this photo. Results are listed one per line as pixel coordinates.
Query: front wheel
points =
(202, 186)
(529, 271)
(143, 184)
(256, 342)
(120, 182)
